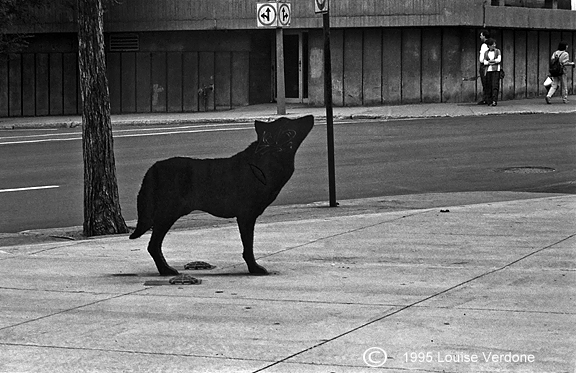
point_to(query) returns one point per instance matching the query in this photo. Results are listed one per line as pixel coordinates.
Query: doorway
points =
(295, 66)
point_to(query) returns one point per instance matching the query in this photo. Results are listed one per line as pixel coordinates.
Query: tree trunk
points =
(102, 213)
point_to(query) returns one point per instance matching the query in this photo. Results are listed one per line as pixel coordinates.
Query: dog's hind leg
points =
(155, 249)
(246, 226)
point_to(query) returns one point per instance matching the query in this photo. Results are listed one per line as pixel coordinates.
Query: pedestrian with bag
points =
(558, 72)
(492, 61)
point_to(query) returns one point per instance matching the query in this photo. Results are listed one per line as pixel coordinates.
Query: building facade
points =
(203, 55)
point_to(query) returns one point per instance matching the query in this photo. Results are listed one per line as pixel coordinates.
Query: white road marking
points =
(189, 131)
(42, 135)
(79, 137)
(141, 132)
(29, 188)
(76, 133)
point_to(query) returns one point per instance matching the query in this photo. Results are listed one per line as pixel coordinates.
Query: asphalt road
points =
(41, 179)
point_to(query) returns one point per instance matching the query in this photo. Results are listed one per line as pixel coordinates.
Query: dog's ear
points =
(258, 173)
(260, 127)
(304, 125)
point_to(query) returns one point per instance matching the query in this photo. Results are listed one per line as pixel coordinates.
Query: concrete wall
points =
(529, 18)
(408, 65)
(168, 15)
(42, 81)
(170, 68)
(165, 74)
(371, 66)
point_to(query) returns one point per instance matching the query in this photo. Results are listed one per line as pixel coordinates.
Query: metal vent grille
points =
(124, 43)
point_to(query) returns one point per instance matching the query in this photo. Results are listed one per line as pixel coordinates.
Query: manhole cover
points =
(527, 170)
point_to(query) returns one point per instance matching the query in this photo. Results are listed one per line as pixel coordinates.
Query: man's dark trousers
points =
(486, 94)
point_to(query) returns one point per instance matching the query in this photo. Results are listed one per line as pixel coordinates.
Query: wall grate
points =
(124, 43)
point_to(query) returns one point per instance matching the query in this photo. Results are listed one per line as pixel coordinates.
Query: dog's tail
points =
(145, 204)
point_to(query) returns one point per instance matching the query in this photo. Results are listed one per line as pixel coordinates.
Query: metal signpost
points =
(277, 15)
(322, 6)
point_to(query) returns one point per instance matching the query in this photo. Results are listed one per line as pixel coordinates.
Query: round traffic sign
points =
(284, 14)
(267, 14)
(321, 6)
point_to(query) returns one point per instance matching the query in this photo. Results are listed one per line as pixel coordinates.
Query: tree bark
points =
(102, 213)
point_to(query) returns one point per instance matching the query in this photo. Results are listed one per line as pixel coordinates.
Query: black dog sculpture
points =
(241, 186)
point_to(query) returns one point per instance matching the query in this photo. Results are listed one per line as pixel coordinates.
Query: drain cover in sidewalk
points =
(527, 170)
(199, 265)
(178, 280)
(185, 280)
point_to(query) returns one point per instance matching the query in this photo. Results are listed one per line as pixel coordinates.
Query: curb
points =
(279, 213)
(73, 123)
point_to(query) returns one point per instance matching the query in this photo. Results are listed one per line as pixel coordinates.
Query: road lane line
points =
(29, 188)
(206, 125)
(129, 135)
(115, 131)
(38, 141)
(41, 135)
(190, 131)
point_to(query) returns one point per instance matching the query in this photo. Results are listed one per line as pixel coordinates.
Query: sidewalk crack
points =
(345, 233)
(70, 309)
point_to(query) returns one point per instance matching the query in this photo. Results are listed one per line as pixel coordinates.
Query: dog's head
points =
(283, 135)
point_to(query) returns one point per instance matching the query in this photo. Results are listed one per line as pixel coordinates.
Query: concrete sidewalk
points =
(455, 282)
(267, 112)
(473, 282)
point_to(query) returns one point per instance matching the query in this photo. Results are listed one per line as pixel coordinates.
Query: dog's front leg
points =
(246, 226)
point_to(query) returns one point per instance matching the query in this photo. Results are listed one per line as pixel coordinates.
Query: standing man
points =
(484, 35)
